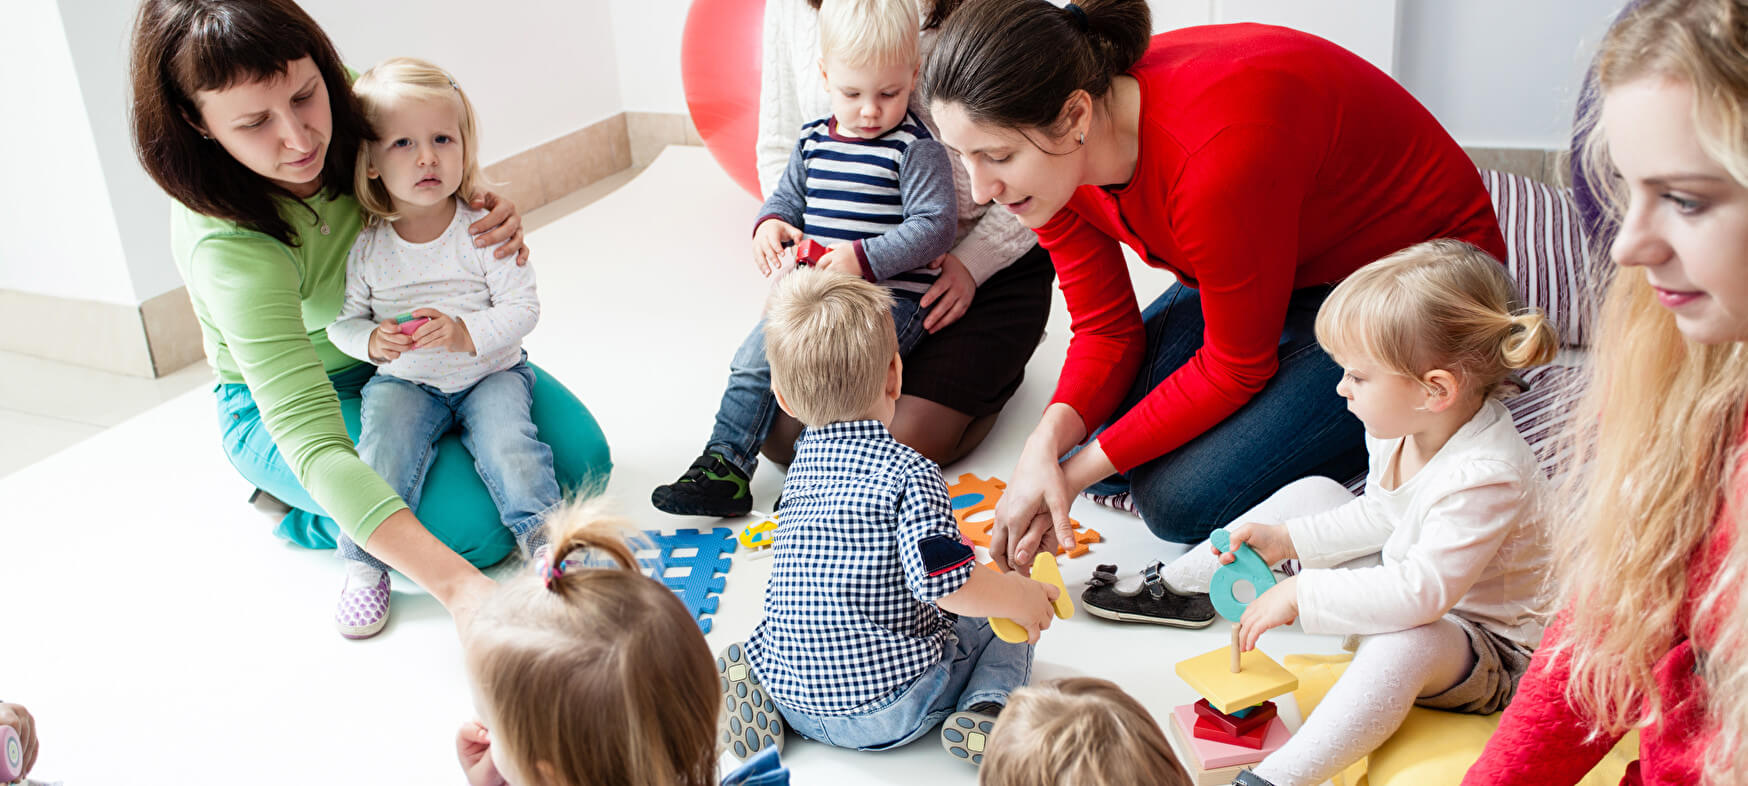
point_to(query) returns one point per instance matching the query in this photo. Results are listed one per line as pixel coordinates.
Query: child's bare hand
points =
(473, 746)
(387, 342)
(1278, 606)
(1033, 609)
(19, 718)
(841, 258)
(1271, 542)
(768, 242)
(442, 332)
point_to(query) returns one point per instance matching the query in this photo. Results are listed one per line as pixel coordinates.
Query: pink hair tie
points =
(551, 571)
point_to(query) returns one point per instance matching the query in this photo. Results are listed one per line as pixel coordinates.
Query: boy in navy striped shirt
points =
(868, 182)
(875, 627)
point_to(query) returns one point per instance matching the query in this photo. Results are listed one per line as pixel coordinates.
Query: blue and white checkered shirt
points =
(865, 545)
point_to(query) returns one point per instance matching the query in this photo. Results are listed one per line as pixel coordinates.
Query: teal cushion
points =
(455, 505)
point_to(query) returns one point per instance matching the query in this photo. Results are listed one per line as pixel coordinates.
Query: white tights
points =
(1389, 670)
(1369, 702)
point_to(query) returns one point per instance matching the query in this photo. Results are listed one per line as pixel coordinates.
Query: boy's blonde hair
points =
(410, 79)
(598, 674)
(1080, 731)
(829, 338)
(870, 32)
(1658, 437)
(1442, 304)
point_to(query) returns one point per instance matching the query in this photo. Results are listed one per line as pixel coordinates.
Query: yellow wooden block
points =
(1043, 569)
(1210, 676)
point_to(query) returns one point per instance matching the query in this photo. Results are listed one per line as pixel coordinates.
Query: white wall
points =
(646, 33)
(1501, 73)
(57, 235)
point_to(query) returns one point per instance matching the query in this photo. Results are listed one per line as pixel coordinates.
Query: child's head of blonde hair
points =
(1442, 304)
(861, 33)
(831, 343)
(592, 672)
(1080, 731)
(395, 82)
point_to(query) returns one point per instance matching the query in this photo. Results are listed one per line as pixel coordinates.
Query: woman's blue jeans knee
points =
(455, 504)
(1296, 426)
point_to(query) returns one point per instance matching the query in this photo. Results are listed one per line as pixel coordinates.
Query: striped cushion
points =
(1546, 246)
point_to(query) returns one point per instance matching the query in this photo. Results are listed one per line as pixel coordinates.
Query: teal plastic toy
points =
(1248, 567)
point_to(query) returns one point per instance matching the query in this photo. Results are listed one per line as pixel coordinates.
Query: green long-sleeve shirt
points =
(264, 309)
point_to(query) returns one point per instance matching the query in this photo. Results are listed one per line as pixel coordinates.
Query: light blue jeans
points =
(744, 417)
(976, 667)
(403, 420)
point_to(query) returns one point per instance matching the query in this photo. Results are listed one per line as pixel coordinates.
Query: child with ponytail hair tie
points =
(586, 671)
(1438, 567)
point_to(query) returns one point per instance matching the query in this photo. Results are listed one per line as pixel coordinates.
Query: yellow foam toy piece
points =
(1261, 678)
(1433, 747)
(1043, 569)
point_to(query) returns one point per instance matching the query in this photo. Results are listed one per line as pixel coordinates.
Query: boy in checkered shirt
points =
(875, 624)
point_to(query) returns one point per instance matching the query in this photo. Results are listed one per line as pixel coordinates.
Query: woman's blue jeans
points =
(1295, 427)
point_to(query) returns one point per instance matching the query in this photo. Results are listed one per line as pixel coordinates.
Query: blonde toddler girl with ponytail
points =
(1438, 569)
(586, 671)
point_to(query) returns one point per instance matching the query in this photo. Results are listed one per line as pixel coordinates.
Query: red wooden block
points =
(808, 252)
(1234, 726)
(1214, 731)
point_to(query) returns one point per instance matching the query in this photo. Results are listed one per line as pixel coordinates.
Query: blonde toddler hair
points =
(1080, 731)
(1659, 432)
(870, 32)
(1442, 304)
(409, 79)
(594, 673)
(829, 338)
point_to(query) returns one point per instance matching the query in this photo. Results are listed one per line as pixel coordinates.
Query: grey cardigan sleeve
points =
(788, 202)
(925, 184)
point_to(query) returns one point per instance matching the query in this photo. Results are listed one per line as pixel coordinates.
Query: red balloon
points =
(719, 63)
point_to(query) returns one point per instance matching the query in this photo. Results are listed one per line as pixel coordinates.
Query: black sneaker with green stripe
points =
(711, 487)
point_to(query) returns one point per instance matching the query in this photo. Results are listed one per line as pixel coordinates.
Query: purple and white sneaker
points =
(363, 607)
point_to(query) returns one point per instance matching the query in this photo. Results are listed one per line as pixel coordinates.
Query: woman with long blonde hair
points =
(1651, 568)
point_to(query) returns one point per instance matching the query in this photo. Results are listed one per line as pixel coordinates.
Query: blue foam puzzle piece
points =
(709, 567)
(964, 501)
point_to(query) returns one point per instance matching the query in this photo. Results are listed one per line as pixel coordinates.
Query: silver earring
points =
(1082, 139)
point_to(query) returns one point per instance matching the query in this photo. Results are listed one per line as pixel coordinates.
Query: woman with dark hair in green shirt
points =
(243, 113)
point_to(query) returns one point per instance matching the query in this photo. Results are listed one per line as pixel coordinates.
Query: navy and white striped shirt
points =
(865, 545)
(892, 196)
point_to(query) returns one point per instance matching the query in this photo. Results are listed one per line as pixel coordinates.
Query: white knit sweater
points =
(791, 93)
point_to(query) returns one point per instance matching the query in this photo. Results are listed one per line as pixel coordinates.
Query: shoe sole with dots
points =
(966, 734)
(750, 721)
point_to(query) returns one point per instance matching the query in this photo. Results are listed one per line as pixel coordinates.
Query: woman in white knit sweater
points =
(989, 307)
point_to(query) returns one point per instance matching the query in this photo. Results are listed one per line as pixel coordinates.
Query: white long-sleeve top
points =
(792, 93)
(387, 276)
(1464, 535)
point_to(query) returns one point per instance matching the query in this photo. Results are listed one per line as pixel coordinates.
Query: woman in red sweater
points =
(1258, 165)
(1652, 571)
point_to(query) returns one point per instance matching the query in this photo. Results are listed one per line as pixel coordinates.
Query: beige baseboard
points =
(107, 336)
(1548, 166)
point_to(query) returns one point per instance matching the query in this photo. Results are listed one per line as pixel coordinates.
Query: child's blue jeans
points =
(976, 667)
(401, 424)
(744, 417)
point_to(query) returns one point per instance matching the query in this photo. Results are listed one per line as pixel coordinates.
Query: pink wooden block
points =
(1214, 755)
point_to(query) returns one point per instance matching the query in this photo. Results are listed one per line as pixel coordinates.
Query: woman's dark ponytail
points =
(1014, 63)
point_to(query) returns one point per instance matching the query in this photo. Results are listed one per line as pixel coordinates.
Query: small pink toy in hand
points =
(11, 755)
(409, 323)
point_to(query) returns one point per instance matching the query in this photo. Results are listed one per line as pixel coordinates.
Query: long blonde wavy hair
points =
(1657, 439)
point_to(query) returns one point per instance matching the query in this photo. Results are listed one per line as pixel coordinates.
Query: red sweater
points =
(1541, 739)
(1270, 160)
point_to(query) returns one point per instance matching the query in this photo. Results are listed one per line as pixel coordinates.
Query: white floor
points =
(160, 634)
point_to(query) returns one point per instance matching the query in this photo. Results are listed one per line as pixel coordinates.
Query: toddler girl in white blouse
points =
(1438, 567)
(442, 320)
